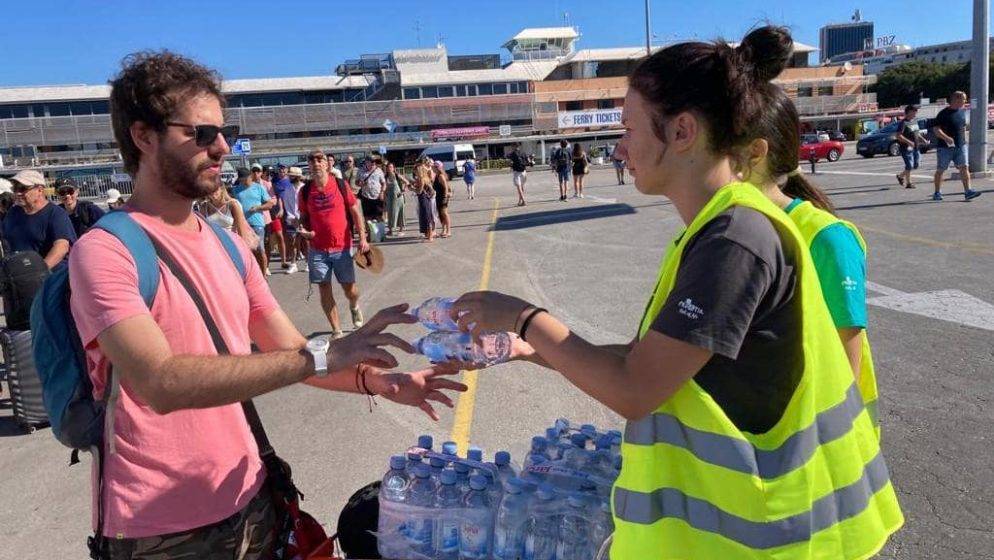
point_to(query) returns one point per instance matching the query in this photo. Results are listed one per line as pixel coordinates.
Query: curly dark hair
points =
(150, 88)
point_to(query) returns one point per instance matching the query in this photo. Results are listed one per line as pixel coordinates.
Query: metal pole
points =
(979, 82)
(648, 34)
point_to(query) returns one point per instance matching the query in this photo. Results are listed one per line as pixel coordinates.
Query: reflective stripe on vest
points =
(814, 486)
(739, 454)
(844, 503)
(811, 221)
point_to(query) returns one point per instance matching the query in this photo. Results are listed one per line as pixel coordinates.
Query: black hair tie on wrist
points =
(528, 321)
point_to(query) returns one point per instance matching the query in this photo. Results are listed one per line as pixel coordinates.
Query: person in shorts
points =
(519, 172)
(256, 203)
(562, 164)
(324, 222)
(908, 136)
(950, 133)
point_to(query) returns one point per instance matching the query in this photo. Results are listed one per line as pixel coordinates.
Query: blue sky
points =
(76, 41)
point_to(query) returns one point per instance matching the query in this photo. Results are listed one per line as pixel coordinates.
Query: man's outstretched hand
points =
(415, 388)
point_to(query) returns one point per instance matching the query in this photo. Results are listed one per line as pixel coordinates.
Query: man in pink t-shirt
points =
(182, 475)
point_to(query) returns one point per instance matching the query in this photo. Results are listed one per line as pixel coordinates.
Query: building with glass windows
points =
(543, 87)
(841, 38)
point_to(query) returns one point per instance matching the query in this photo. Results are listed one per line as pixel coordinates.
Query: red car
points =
(813, 148)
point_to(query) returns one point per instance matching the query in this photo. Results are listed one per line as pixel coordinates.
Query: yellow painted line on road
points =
(969, 247)
(463, 419)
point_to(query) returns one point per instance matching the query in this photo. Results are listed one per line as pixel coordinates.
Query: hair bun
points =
(766, 50)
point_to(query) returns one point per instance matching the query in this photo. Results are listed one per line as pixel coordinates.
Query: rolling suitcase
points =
(23, 380)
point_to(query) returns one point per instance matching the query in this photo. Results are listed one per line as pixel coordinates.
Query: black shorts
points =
(372, 208)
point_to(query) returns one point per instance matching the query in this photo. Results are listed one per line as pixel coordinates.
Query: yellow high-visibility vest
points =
(810, 221)
(815, 486)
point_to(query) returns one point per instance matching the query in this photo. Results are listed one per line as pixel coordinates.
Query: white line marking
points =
(599, 199)
(864, 174)
(881, 289)
(947, 305)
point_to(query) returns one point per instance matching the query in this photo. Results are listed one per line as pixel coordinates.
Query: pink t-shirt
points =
(189, 468)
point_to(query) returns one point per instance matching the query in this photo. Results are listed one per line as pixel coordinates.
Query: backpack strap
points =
(122, 226)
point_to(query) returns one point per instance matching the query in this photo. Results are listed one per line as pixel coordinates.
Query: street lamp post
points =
(979, 81)
(648, 34)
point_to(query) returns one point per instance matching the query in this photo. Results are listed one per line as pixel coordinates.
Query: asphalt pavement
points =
(592, 263)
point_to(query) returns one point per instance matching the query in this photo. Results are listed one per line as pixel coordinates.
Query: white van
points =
(453, 156)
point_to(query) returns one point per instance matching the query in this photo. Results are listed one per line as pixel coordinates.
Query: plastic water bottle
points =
(434, 314)
(444, 346)
(574, 532)
(475, 537)
(539, 449)
(505, 470)
(422, 524)
(543, 525)
(494, 489)
(475, 454)
(575, 456)
(589, 430)
(462, 476)
(616, 444)
(413, 460)
(448, 501)
(437, 466)
(603, 525)
(509, 528)
(450, 448)
(392, 522)
(552, 435)
(425, 442)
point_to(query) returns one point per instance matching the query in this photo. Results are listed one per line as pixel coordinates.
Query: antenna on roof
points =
(417, 30)
(441, 41)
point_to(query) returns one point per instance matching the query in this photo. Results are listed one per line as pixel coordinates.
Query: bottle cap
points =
(551, 434)
(502, 458)
(447, 477)
(539, 443)
(422, 471)
(478, 482)
(475, 454)
(449, 448)
(604, 441)
(436, 463)
(398, 462)
(579, 440)
(416, 457)
(425, 441)
(588, 428)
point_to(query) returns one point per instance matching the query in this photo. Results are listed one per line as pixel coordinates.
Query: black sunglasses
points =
(205, 134)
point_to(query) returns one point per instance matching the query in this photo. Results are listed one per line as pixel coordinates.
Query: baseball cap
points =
(256, 167)
(295, 172)
(29, 178)
(281, 166)
(64, 185)
(244, 173)
(113, 195)
(5, 186)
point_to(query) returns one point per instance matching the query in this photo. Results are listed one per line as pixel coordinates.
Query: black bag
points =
(562, 158)
(21, 276)
(22, 377)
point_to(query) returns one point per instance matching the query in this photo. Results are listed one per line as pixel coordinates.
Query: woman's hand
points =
(415, 388)
(477, 312)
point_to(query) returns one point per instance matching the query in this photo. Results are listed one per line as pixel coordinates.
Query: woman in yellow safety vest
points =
(837, 248)
(746, 435)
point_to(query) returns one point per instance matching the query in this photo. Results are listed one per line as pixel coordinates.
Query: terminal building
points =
(542, 88)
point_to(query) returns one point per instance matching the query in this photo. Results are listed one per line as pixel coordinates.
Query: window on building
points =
(825, 91)
(471, 90)
(412, 93)
(101, 107)
(500, 89)
(460, 91)
(805, 92)
(81, 108)
(574, 105)
(55, 110)
(605, 103)
(512, 87)
(429, 92)
(445, 91)
(485, 89)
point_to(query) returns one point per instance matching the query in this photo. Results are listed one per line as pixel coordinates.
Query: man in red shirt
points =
(327, 222)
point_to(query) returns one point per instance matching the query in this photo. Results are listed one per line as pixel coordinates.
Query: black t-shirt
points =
(83, 216)
(736, 294)
(518, 162)
(952, 122)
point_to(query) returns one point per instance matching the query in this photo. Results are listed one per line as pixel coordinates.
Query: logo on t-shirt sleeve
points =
(690, 310)
(849, 284)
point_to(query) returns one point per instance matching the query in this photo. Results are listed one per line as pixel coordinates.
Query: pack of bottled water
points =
(446, 343)
(438, 505)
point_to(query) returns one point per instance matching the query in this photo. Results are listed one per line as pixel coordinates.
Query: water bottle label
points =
(475, 540)
(449, 541)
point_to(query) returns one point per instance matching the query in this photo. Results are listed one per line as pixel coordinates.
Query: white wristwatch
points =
(318, 347)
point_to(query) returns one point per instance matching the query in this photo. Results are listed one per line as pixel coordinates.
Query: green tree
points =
(906, 83)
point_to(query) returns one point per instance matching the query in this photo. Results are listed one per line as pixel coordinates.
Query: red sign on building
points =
(458, 133)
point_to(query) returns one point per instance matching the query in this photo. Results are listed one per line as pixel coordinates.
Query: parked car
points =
(836, 135)
(814, 148)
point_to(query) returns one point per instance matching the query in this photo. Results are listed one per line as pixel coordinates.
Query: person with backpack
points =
(519, 171)
(329, 216)
(562, 161)
(184, 468)
(82, 213)
(34, 224)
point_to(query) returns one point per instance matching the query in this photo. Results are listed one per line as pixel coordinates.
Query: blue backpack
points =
(77, 419)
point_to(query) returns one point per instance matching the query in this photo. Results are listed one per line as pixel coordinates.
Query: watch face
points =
(318, 345)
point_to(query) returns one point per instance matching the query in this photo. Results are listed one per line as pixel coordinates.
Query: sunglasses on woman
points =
(205, 134)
